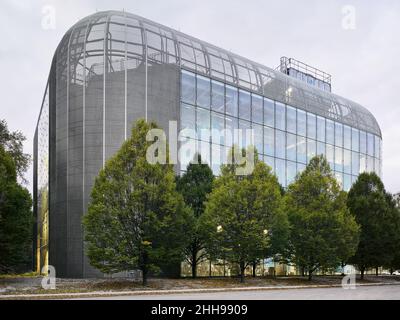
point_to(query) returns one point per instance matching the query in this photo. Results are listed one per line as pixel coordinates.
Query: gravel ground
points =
(32, 285)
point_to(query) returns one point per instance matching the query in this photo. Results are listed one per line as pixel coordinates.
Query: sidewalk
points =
(175, 291)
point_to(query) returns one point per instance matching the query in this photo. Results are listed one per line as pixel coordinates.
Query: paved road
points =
(389, 292)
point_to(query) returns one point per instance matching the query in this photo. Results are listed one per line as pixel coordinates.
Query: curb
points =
(176, 291)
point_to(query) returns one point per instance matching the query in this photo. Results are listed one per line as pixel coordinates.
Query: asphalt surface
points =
(384, 292)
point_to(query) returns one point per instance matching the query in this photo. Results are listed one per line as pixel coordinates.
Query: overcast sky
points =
(363, 55)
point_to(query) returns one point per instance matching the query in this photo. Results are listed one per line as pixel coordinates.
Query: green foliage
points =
(243, 220)
(15, 219)
(375, 210)
(136, 218)
(194, 185)
(12, 142)
(323, 233)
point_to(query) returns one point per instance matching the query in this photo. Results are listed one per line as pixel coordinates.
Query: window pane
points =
(321, 148)
(291, 172)
(338, 159)
(301, 149)
(291, 119)
(339, 178)
(280, 169)
(371, 141)
(257, 109)
(280, 116)
(355, 163)
(363, 142)
(258, 138)
(355, 140)
(231, 101)
(269, 113)
(330, 156)
(311, 126)
(231, 137)
(245, 138)
(301, 123)
(370, 164)
(300, 167)
(363, 163)
(321, 129)
(280, 144)
(377, 147)
(291, 152)
(330, 132)
(188, 87)
(338, 134)
(347, 137)
(217, 126)
(347, 161)
(270, 161)
(203, 124)
(244, 105)
(269, 141)
(346, 182)
(203, 92)
(188, 120)
(311, 149)
(218, 96)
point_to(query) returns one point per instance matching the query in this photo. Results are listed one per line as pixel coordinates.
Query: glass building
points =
(113, 68)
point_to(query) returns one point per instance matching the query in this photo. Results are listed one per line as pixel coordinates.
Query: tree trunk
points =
(310, 275)
(362, 273)
(302, 272)
(242, 268)
(144, 268)
(254, 269)
(391, 271)
(210, 271)
(377, 271)
(144, 277)
(194, 269)
(343, 265)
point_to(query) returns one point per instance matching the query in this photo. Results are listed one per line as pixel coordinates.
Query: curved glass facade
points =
(113, 68)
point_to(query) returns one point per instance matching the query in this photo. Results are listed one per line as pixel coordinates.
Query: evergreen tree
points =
(323, 233)
(244, 215)
(16, 220)
(375, 211)
(136, 219)
(194, 185)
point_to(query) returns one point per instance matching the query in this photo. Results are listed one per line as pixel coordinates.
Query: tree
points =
(15, 218)
(323, 233)
(136, 219)
(375, 211)
(243, 214)
(12, 142)
(194, 185)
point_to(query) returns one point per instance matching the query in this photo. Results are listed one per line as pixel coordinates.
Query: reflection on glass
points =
(217, 126)
(321, 129)
(291, 152)
(291, 172)
(301, 149)
(330, 156)
(280, 169)
(301, 123)
(203, 124)
(203, 92)
(311, 149)
(291, 119)
(188, 120)
(355, 163)
(363, 142)
(321, 148)
(338, 134)
(218, 96)
(269, 141)
(257, 109)
(347, 161)
(280, 116)
(355, 140)
(280, 144)
(231, 100)
(347, 137)
(258, 138)
(311, 126)
(188, 87)
(330, 132)
(269, 113)
(370, 145)
(244, 105)
(338, 159)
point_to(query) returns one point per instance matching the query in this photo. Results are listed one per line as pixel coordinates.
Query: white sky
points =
(364, 62)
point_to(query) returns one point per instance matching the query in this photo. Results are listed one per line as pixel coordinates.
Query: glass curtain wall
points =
(286, 137)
